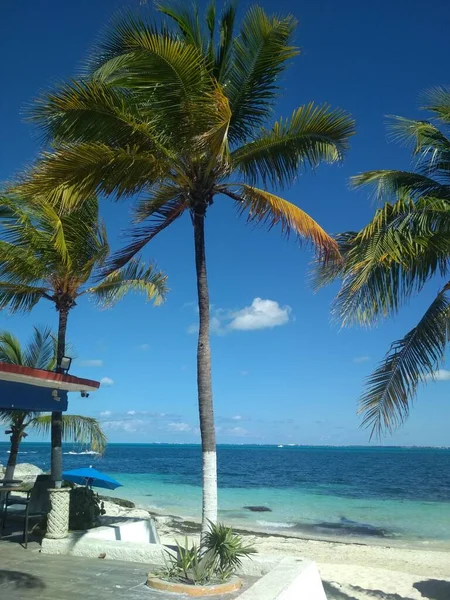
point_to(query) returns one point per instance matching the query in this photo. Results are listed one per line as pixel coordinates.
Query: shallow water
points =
(393, 493)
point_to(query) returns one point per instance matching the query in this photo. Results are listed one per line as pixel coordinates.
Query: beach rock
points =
(114, 510)
(27, 472)
(119, 501)
(258, 508)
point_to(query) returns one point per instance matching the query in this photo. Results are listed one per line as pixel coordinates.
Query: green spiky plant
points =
(55, 257)
(405, 246)
(40, 353)
(217, 560)
(183, 114)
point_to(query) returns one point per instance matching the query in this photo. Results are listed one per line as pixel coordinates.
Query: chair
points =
(36, 505)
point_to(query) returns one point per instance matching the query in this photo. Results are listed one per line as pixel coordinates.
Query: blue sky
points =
(282, 373)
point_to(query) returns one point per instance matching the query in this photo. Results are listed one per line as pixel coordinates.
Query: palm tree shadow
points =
(433, 589)
(19, 580)
(334, 593)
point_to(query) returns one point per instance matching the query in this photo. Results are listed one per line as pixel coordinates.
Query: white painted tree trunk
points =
(209, 505)
(204, 384)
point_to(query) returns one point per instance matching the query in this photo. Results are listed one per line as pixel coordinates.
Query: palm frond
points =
(19, 297)
(91, 111)
(224, 53)
(390, 184)
(186, 16)
(390, 259)
(164, 72)
(73, 172)
(40, 350)
(431, 146)
(267, 209)
(161, 213)
(76, 428)
(260, 55)
(438, 101)
(135, 276)
(411, 360)
(10, 349)
(313, 134)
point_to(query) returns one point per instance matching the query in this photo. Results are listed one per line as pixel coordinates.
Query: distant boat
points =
(281, 446)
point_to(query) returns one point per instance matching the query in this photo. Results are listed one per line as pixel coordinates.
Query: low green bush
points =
(216, 561)
(85, 508)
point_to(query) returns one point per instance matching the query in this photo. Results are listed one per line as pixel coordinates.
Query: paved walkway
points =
(28, 574)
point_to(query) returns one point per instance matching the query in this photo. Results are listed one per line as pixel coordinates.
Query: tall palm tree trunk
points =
(56, 464)
(204, 385)
(14, 451)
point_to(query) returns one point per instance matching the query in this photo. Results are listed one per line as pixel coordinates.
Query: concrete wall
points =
(292, 579)
(140, 531)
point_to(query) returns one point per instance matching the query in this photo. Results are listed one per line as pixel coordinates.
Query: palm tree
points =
(47, 255)
(40, 354)
(182, 115)
(405, 245)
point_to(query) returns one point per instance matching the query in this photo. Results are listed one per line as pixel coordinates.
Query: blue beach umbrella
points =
(91, 477)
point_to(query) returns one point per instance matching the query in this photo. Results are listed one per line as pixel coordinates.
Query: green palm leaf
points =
(135, 276)
(72, 172)
(260, 54)
(38, 354)
(411, 360)
(314, 134)
(438, 101)
(76, 428)
(405, 245)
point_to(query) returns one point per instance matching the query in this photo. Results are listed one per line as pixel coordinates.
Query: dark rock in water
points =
(258, 508)
(349, 527)
(119, 501)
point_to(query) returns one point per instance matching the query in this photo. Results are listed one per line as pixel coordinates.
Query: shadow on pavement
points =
(433, 589)
(334, 593)
(19, 580)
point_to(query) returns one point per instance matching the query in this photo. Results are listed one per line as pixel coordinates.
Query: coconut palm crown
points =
(406, 245)
(182, 114)
(49, 255)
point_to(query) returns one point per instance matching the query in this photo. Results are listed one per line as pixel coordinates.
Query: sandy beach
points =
(349, 570)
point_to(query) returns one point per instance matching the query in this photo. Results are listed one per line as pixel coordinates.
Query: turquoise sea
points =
(400, 494)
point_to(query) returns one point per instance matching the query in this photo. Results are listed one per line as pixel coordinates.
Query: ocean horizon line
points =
(242, 444)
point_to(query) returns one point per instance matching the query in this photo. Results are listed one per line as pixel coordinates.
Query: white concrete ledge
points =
(77, 544)
(292, 579)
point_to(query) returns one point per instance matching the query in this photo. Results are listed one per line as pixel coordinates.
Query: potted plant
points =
(206, 570)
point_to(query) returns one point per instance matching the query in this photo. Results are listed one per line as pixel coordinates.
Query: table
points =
(4, 482)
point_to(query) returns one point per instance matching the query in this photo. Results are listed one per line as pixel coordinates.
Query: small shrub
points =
(215, 561)
(85, 508)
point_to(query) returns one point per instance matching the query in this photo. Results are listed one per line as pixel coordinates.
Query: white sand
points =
(350, 571)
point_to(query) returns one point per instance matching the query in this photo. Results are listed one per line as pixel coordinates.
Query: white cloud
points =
(179, 427)
(236, 431)
(144, 347)
(96, 362)
(237, 418)
(440, 375)
(361, 359)
(131, 426)
(131, 412)
(106, 381)
(261, 314)
(245, 373)
(105, 413)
